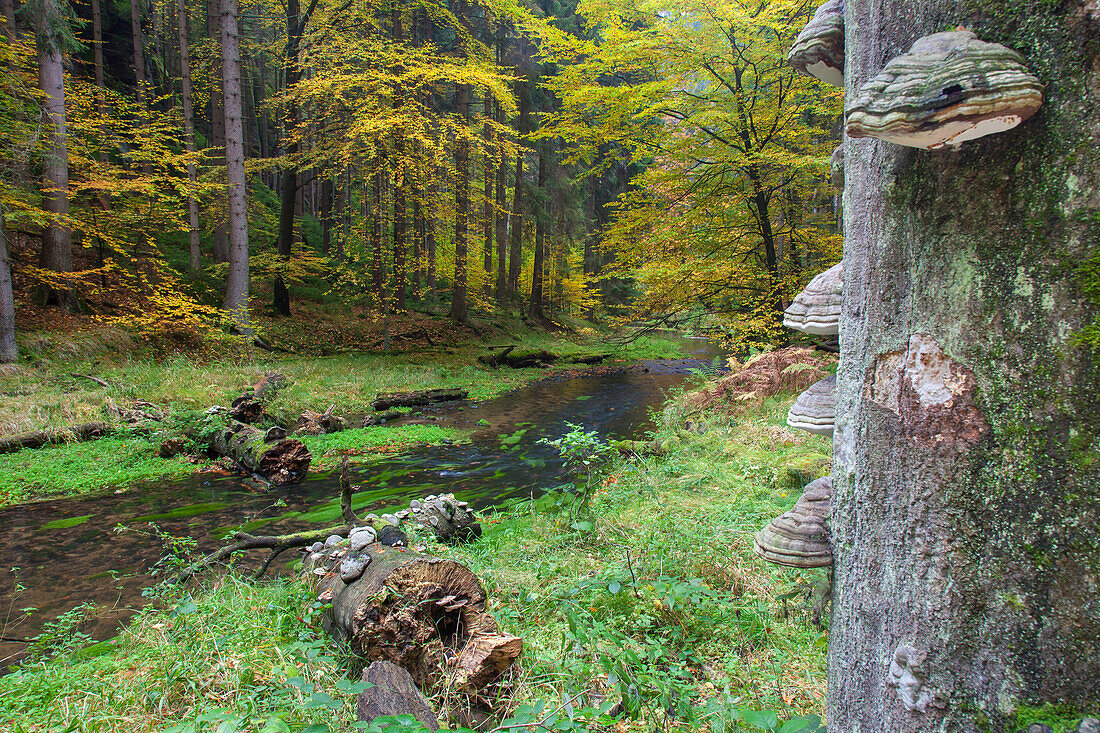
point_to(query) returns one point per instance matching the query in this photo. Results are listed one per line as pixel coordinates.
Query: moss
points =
(1060, 717)
(66, 523)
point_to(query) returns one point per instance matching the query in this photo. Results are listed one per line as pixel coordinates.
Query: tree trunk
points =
(964, 514)
(431, 610)
(220, 248)
(417, 399)
(39, 438)
(326, 214)
(515, 253)
(400, 210)
(377, 266)
(9, 351)
(462, 208)
(487, 208)
(501, 219)
(538, 265)
(188, 131)
(138, 52)
(236, 291)
(284, 461)
(57, 247)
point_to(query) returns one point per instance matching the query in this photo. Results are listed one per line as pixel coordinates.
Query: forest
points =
(564, 366)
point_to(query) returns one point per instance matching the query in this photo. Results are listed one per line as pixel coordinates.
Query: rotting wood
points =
(39, 438)
(425, 614)
(249, 407)
(281, 462)
(417, 399)
(393, 692)
(319, 423)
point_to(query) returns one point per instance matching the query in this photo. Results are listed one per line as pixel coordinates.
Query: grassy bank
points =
(51, 389)
(651, 596)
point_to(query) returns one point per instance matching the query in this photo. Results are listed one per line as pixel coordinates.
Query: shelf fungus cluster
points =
(949, 88)
(816, 310)
(799, 538)
(819, 49)
(815, 409)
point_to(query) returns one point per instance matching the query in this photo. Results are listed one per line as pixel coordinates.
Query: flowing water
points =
(55, 555)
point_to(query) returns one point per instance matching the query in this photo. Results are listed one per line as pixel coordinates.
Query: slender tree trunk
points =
(487, 209)
(326, 213)
(138, 53)
(419, 232)
(431, 245)
(538, 266)
(9, 351)
(57, 250)
(7, 8)
(292, 73)
(377, 265)
(188, 130)
(965, 504)
(236, 292)
(501, 219)
(220, 248)
(515, 254)
(462, 208)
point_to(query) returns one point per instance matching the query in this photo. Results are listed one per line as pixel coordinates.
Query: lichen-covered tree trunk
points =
(967, 448)
(236, 285)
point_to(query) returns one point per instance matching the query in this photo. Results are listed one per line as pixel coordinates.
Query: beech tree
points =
(966, 479)
(236, 287)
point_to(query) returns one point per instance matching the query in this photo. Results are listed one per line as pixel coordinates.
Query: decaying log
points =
(39, 438)
(319, 423)
(393, 692)
(425, 614)
(417, 399)
(134, 412)
(281, 462)
(249, 407)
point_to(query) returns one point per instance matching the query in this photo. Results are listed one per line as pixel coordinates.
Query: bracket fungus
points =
(816, 310)
(951, 87)
(815, 409)
(819, 49)
(836, 168)
(799, 538)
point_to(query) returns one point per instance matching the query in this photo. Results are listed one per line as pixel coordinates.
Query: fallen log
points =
(319, 423)
(249, 407)
(39, 438)
(523, 359)
(417, 399)
(281, 462)
(425, 614)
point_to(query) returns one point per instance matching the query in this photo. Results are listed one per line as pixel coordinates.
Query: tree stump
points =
(425, 614)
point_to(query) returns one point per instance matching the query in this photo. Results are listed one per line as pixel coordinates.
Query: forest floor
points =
(336, 360)
(648, 592)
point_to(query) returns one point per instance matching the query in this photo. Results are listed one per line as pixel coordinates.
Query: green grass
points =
(655, 587)
(80, 468)
(377, 439)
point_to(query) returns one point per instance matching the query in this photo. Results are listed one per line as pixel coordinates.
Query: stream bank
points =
(68, 551)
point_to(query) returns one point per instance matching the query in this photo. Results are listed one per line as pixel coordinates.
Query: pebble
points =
(1038, 728)
(414, 504)
(316, 547)
(333, 540)
(351, 568)
(391, 520)
(1089, 725)
(360, 540)
(356, 530)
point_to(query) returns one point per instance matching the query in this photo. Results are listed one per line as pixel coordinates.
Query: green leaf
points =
(801, 723)
(275, 724)
(764, 719)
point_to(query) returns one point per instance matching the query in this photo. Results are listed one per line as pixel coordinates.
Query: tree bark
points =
(282, 462)
(501, 218)
(431, 609)
(377, 265)
(326, 214)
(188, 131)
(138, 52)
(538, 265)
(487, 205)
(39, 438)
(9, 350)
(966, 485)
(515, 252)
(462, 208)
(220, 247)
(236, 291)
(57, 247)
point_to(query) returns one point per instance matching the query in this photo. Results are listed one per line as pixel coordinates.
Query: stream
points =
(58, 554)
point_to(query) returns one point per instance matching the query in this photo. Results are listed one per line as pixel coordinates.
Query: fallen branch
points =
(97, 380)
